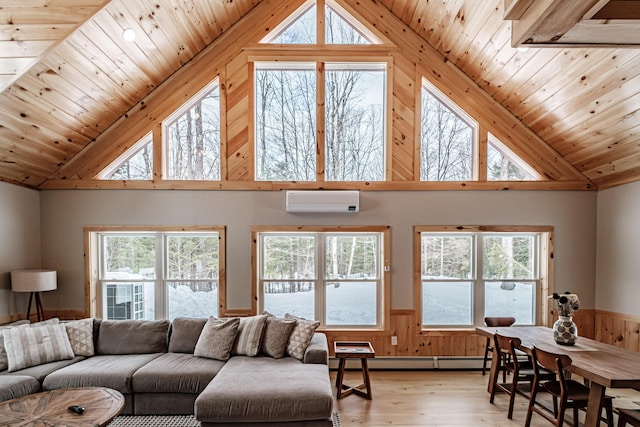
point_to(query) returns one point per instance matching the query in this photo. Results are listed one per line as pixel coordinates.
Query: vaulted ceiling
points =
(67, 75)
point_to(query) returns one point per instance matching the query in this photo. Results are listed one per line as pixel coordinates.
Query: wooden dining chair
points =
(522, 372)
(494, 322)
(566, 393)
(628, 416)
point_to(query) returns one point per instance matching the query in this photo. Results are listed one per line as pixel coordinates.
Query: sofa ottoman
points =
(263, 391)
(14, 386)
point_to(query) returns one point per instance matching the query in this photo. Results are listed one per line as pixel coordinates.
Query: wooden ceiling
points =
(582, 101)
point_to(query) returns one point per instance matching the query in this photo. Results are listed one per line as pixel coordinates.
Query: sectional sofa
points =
(255, 371)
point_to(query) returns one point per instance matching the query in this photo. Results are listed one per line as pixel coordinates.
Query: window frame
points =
(544, 260)
(93, 264)
(383, 293)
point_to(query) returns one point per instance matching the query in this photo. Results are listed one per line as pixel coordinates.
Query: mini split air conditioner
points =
(323, 201)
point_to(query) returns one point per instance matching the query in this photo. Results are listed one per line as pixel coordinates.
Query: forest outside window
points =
(192, 137)
(353, 114)
(467, 275)
(157, 274)
(447, 139)
(336, 277)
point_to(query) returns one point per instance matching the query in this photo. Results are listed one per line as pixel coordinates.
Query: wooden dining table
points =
(603, 365)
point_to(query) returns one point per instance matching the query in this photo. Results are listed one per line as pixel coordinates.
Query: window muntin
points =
(354, 121)
(447, 139)
(193, 138)
(335, 278)
(467, 276)
(155, 275)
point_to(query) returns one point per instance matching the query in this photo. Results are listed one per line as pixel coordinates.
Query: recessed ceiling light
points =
(522, 49)
(128, 35)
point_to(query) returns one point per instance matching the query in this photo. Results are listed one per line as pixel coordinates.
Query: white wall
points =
(19, 241)
(618, 255)
(65, 212)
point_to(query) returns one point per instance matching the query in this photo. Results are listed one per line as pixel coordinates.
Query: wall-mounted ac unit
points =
(323, 201)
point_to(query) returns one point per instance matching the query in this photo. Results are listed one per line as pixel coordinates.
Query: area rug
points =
(172, 421)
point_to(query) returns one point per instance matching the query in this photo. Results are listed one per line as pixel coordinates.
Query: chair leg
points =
(512, 397)
(532, 399)
(608, 406)
(575, 417)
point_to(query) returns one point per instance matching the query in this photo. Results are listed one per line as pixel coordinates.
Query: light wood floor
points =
(430, 398)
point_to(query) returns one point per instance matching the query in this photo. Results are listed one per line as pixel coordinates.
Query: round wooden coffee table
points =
(51, 408)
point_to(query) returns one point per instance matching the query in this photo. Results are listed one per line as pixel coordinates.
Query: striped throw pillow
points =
(249, 335)
(28, 347)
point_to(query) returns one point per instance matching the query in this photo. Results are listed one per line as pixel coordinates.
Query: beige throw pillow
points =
(300, 336)
(276, 336)
(80, 334)
(4, 364)
(249, 335)
(28, 347)
(217, 338)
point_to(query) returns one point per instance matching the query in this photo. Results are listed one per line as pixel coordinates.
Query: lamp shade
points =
(33, 280)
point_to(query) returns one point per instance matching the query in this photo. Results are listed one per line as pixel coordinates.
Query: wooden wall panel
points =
(403, 120)
(238, 116)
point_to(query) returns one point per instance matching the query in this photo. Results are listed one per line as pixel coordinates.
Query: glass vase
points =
(565, 331)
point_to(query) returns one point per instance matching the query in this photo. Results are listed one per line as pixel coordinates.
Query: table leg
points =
(365, 376)
(340, 377)
(594, 405)
(493, 372)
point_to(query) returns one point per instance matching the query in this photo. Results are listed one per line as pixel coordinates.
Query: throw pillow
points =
(217, 338)
(80, 334)
(276, 336)
(28, 347)
(184, 335)
(249, 335)
(300, 336)
(4, 364)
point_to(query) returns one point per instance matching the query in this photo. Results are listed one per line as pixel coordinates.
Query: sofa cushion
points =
(27, 346)
(276, 336)
(281, 390)
(300, 336)
(217, 338)
(132, 336)
(112, 371)
(175, 373)
(184, 334)
(249, 336)
(41, 371)
(80, 334)
(4, 363)
(14, 386)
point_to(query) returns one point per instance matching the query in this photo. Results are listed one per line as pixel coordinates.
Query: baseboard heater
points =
(415, 362)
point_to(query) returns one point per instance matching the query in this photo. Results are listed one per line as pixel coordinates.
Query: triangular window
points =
(134, 164)
(302, 27)
(504, 165)
(192, 137)
(447, 138)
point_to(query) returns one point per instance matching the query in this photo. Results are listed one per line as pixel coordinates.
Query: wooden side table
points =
(353, 350)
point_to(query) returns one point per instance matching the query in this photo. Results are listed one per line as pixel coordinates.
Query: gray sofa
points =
(152, 363)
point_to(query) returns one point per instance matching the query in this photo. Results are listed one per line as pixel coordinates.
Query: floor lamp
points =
(34, 281)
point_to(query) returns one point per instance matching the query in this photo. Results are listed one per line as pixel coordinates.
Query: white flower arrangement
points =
(565, 303)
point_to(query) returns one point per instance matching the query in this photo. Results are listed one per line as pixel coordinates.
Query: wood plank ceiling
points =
(583, 101)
